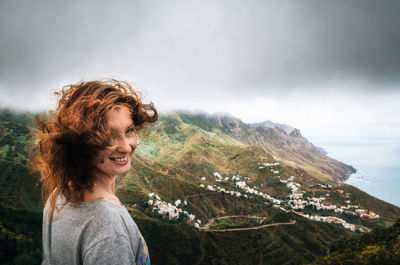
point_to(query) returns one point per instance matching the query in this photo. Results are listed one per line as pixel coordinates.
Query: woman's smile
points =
(121, 160)
(115, 159)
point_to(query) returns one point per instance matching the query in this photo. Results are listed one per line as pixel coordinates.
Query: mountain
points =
(196, 175)
(269, 124)
(293, 150)
(322, 150)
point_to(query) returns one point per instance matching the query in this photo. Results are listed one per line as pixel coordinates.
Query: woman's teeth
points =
(120, 159)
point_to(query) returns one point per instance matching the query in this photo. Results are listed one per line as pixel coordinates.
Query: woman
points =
(85, 144)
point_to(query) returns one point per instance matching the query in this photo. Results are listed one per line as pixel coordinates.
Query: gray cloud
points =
(194, 50)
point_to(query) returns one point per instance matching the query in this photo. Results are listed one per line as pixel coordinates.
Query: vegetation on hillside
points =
(291, 244)
(181, 153)
(381, 246)
(20, 236)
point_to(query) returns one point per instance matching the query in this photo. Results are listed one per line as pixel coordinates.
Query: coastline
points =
(376, 162)
(379, 181)
(349, 175)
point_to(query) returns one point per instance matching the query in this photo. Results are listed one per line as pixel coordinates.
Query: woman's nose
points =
(125, 145)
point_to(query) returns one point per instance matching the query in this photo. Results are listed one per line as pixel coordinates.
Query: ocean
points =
(376, 159)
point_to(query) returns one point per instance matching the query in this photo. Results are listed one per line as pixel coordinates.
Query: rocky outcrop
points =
(295, 133)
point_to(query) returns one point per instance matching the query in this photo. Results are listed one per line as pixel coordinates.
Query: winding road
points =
(205, 227)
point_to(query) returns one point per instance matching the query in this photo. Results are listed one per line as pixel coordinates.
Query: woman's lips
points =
(120, 160)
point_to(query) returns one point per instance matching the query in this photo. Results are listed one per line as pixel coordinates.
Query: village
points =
(172, 211)
(295, 201)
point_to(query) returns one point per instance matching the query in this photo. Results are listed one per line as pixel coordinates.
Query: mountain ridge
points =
(267, 123)
(274, 140)
(189, 169)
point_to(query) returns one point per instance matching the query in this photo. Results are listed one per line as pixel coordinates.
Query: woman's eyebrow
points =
(119, 131)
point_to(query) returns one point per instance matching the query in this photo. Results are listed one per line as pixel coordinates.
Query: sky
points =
(329, 68)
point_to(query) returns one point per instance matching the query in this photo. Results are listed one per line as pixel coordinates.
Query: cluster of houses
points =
(240, 183)
(171, 211)
(243, 186)
(357, 212)
(335, 220)
(295, 202)
(263, 165)
(272, 165)
(219, 178)
(222, 190)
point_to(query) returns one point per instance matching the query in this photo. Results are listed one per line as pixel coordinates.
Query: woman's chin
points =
(125, 170)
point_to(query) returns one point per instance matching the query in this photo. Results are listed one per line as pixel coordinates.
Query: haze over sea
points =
(377, 160)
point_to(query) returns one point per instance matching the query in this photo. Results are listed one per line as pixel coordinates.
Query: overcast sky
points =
(326, 67)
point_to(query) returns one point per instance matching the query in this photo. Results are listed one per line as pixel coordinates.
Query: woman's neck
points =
(103, 189)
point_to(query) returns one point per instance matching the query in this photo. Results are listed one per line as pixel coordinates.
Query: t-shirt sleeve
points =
(111, 250)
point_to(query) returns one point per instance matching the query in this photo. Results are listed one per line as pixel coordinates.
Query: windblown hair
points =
(70, 137)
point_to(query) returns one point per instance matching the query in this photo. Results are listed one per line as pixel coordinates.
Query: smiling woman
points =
(84, 145)
(115, 159)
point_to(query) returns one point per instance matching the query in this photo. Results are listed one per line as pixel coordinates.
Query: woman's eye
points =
(130, 130)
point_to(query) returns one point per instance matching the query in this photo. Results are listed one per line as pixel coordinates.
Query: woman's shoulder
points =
(93, 216)
(104, 211)
(107, 220)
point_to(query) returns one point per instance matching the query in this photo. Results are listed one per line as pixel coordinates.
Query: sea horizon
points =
(376, 159)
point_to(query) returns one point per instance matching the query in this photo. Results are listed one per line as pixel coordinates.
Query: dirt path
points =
(205, 227)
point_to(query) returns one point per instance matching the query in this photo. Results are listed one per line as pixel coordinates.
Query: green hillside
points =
(201, 168)
(292, 149)
(381, 246)
(19, 186)
(20, 236)
(290, 244)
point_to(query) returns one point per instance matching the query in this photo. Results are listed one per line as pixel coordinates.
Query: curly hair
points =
(70, 137)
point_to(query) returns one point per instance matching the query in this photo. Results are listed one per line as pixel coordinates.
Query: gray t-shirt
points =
(96, 232)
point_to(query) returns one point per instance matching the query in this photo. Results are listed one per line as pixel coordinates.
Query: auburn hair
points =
(70, 137)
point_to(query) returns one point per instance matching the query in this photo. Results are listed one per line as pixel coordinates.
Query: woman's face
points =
(115, 160)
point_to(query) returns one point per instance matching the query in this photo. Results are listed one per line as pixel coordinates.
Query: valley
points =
(210, 190)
